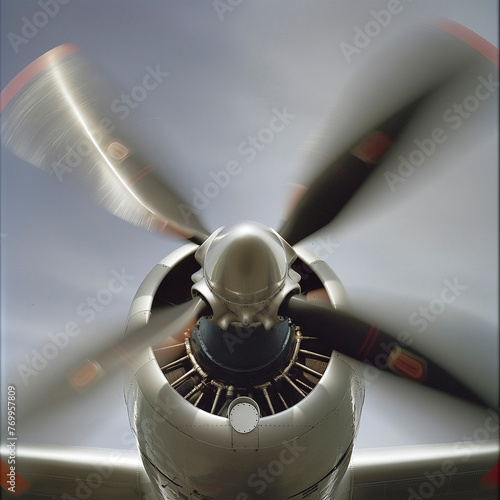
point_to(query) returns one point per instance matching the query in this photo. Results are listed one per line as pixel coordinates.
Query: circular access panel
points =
(244, 415)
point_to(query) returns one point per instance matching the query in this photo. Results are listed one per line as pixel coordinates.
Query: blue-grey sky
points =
(229, 69)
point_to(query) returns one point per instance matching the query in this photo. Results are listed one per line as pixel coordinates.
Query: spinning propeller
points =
(54, 116)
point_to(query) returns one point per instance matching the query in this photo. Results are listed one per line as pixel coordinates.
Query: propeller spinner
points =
(246, 273)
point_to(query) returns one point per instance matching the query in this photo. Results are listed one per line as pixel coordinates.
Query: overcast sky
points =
(229, 72)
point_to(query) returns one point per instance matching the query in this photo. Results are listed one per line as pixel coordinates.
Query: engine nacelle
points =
(288, 435)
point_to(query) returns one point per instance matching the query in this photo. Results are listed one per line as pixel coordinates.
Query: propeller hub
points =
(245, 274)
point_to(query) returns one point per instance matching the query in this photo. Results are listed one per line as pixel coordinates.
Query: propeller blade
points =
(366, 342)
(56, 114)
(361, 132)
(59, 386)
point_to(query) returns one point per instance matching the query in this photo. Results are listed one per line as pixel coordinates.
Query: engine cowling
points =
(213, 423)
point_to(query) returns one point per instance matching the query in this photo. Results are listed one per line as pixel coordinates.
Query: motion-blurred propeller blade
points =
(59, 386)
(56, 114)
(366, 342)
(371, 117)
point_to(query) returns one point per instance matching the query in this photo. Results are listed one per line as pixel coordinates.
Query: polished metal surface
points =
(51, 471)
(437, 471)
(440, 471)
(245, 274)
(188, 449)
